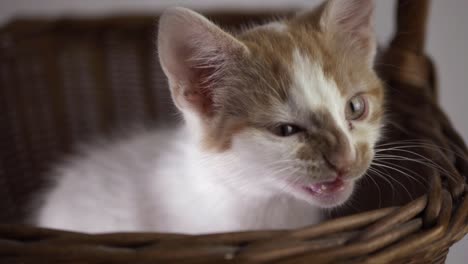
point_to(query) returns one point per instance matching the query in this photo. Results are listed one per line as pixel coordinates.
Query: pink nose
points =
(338, 153)
(341, 162)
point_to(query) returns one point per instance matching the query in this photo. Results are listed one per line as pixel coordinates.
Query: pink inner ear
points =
(193, 51)
(200, 94)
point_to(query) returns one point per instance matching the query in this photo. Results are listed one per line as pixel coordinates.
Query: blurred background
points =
(447, 40)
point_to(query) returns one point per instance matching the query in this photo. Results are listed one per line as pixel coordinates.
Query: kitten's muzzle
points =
(338, 153)
(340, 163)
(340, 156)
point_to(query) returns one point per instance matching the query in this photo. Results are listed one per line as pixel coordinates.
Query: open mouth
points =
(326, 194)
(324, 189)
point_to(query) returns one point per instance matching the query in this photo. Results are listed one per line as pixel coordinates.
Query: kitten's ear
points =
(352, 22)
(193, 53)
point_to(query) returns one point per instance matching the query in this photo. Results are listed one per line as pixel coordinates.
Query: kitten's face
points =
(297, 109)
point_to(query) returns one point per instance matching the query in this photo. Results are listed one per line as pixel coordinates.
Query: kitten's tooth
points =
(324, 187)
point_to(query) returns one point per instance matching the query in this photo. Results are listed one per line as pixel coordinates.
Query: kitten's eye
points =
(356, 108)
(286, 130)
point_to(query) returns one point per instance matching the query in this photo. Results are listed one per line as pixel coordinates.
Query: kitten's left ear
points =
(351, 21)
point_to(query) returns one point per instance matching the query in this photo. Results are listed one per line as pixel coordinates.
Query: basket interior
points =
(72, 80)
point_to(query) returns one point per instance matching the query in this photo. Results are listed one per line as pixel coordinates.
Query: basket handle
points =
(405, 60)
(410, 33)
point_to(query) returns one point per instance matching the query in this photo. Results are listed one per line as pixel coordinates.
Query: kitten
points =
(280, 121)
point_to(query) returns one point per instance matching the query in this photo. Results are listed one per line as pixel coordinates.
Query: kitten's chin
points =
(325, 195)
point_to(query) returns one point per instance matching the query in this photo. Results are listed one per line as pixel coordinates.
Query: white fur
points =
(163, 182)
(276, 26)
(317, 92)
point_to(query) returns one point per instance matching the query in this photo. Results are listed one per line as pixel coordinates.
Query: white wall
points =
(447, 40)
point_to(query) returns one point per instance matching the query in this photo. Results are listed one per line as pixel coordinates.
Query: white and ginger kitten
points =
(281, 120)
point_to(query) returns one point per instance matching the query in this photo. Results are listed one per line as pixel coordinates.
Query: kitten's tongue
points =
(326, 187)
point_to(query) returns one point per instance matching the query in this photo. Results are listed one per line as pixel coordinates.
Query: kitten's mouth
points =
(327, 194)
(326, 188)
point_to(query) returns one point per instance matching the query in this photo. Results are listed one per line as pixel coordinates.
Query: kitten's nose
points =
(339, 156)
(340, 162)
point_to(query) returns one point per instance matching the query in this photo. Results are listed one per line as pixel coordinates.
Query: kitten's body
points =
(279, 120)
(132, 186)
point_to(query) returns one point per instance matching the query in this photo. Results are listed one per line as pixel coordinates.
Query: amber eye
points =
(286, 130)
(356, 108)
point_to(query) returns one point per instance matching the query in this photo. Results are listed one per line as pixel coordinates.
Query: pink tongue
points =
(327, 187)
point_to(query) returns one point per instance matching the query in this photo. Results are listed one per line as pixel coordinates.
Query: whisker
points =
(380, 175)
(429, 162)
(377, 185)
(395, 180)
(405, 169)
(426, 144)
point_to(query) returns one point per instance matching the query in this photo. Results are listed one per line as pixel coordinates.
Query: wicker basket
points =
(64, 81)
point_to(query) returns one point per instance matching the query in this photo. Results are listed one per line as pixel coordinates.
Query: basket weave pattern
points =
(65, 81)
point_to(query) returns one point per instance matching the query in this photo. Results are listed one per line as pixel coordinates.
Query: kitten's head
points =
(292, 106)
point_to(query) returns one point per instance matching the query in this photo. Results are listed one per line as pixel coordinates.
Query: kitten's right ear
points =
(348, 21)
(352, 22)
(193, 53)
